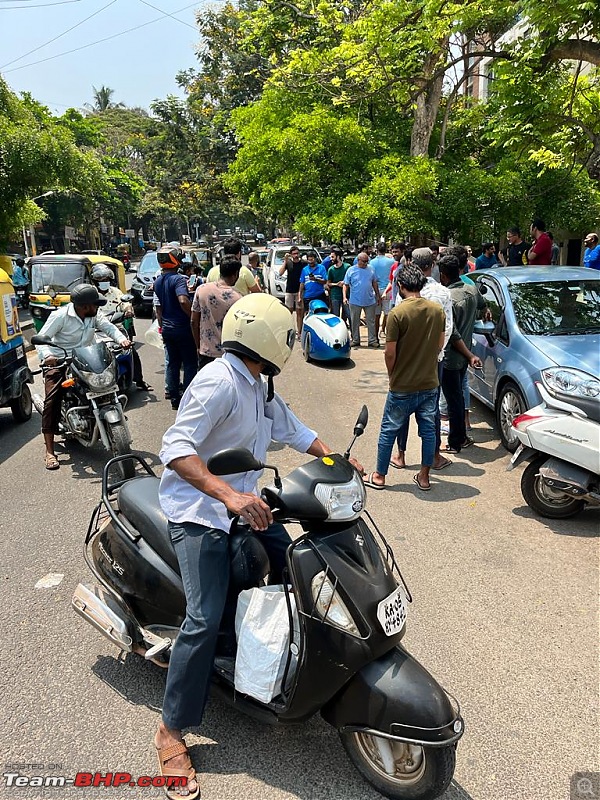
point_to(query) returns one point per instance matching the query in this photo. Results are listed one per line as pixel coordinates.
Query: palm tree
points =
(102, 100)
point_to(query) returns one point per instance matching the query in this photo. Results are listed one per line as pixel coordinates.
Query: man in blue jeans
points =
(414, 339)
(174, 318)
(228, 404)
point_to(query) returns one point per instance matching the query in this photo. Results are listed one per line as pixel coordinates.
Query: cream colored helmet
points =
(260, 327)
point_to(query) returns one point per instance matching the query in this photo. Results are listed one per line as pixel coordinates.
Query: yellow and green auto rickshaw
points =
(14, 371)
(53, 277)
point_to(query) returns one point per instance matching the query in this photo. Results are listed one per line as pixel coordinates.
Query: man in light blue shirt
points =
(228, 404)
(361, 284)
(382, 266)
(591, 257)
(20, 276)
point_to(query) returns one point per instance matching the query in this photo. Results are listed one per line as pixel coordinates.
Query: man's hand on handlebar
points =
(251, 509)
(126, 344)
(50, 361)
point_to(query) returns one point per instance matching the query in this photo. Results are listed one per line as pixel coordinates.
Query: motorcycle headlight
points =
(99, 381)
(343, 501)
(564, 380)
(330, 606)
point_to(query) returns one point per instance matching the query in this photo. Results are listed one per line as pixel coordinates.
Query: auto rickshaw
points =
(53, 277)
(14, 371)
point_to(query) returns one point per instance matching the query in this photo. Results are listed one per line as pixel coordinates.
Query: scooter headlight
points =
(330, 606)
(343, 501)
(564, 380)
(100, 381)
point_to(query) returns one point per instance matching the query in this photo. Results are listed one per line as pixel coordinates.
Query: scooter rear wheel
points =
(417, 773)
(543, 499)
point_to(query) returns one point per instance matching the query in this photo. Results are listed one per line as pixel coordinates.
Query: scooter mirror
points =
(361, 422)
(127, 298)
(37, 339)
(231, 461)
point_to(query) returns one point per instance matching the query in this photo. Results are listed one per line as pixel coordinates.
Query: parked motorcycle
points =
(92, 407)
(561, 439)
(345, 660)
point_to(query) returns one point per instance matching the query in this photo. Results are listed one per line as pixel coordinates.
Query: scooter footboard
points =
(395, 696)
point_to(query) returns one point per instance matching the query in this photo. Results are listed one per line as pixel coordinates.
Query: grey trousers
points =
(203, 556)
(355, 323)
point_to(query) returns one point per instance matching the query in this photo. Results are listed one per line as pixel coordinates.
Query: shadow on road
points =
(88, 463)
(15, 435)
(585, 525)
(440, 490)
(305, 760)
(334, 366)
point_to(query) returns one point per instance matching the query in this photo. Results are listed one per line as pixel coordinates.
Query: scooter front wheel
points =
(547, 501)
(399, 770)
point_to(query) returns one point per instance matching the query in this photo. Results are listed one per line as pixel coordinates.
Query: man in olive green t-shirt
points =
(414, 340)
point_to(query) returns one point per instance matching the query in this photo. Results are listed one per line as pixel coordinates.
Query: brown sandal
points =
(51, 461)
(165, 754)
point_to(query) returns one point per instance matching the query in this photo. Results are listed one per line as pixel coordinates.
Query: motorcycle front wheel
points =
(119, 440)
(399, 770)
(547, 501)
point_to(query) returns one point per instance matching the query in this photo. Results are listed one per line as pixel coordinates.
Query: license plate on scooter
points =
(391, 612)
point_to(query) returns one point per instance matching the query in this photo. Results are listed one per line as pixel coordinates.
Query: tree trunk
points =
(428, 103)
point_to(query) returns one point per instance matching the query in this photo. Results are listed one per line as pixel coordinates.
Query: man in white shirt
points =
(228, 404)
(423, 258)
(71, 326)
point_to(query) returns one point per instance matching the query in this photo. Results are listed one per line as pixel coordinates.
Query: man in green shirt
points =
(414, 339)
(335, 281)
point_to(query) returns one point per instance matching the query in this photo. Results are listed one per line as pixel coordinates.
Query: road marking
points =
(49, 581)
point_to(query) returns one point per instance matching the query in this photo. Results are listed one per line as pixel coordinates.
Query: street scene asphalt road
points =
(505, 615)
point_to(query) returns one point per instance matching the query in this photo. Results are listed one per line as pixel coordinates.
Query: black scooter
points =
(345, 660)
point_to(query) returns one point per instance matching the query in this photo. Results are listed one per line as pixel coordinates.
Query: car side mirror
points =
(486, 329)
(232, 461)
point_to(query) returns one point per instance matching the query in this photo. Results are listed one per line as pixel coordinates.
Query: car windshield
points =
(149, 264)
(281, 254)
(60, 277)
(557, 308)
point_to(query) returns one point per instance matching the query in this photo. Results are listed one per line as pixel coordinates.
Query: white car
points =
(274, 282)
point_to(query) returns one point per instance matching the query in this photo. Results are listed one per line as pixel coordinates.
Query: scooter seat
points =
(138, 502)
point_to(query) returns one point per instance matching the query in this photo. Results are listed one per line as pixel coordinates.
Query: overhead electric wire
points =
(166, 13)
(60, 35)
(39, 5)
(99, 41)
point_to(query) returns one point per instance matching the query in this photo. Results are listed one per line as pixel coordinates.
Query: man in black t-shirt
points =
(516, 252)
(293, 265)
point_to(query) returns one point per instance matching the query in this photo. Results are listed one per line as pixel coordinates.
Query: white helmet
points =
(260, 327)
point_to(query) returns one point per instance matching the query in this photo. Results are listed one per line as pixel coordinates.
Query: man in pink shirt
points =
(540, 253)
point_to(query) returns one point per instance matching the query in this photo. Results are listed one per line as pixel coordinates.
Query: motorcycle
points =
(397, 724)
(91, 406)
(126, 259)
(22, 293)
(561, 439)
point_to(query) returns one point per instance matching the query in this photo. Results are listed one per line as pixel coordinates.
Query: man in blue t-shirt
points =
(591, 257)
(488, 258)
(174, 319)
(312, 281)
(364, 294)
(381, 265)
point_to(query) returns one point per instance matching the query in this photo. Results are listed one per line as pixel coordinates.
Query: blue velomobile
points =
(324, 336)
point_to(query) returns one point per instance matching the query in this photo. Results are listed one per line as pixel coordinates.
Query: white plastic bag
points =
(263, 632)
(153, 337)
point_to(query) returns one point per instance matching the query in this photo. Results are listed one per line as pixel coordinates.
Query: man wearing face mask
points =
(104, 278)
(71, 326)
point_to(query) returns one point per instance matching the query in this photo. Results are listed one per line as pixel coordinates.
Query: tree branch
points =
(574, 50)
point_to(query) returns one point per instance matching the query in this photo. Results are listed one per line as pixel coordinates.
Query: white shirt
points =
(66, 329)
(437, 293)
(114, 303)
(224, 406)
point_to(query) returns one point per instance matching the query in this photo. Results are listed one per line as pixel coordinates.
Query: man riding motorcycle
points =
(73, 325)
(227, 404)
(104, 279)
